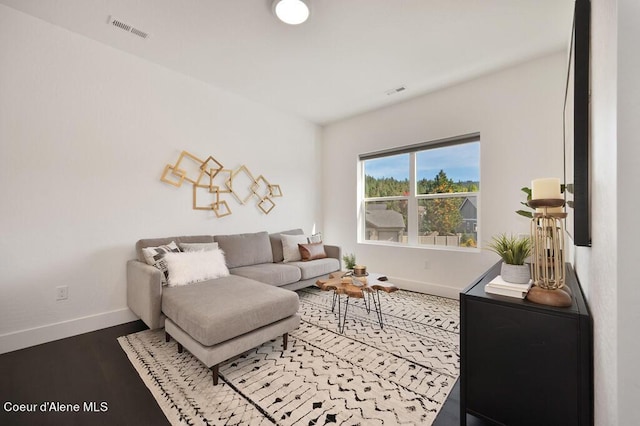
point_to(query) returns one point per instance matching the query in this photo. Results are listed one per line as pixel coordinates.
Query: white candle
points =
(545, 188)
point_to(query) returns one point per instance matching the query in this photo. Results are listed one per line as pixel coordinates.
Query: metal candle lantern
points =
(547, 256)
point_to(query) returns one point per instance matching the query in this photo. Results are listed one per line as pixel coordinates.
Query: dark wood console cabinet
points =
(522, 363)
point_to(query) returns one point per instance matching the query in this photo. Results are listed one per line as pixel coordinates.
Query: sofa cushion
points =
(195, 266)
(155, 256)
(245, 249)
(315, 268)
(189, 247)
(276, 243)
(270, 273)
(312, 251)
(315, 238)
(218, 310)
(290, 250)
(154, 242)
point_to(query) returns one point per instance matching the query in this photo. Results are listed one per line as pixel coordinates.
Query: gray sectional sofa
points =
(223, 317)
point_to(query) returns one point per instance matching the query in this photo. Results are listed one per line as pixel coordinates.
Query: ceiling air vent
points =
(396, 90)
(127, 27)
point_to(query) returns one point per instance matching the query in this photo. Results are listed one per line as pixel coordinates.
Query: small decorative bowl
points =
(360, 271)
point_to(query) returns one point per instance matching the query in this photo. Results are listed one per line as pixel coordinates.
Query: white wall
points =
(596, 266)
(609, 267)
(628, 207)
(518, 112)
(85, 132)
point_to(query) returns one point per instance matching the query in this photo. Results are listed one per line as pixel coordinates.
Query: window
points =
(422, 195)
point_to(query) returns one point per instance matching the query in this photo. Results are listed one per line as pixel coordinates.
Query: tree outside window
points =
(438, 207)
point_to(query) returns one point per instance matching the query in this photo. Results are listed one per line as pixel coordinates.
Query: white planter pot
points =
(517, 274)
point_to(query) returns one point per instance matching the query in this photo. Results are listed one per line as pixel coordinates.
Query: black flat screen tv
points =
(576, 129)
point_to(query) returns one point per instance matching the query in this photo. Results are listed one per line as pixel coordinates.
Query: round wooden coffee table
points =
(365, 288)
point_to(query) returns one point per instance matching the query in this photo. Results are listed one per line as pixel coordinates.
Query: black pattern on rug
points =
(365, 376)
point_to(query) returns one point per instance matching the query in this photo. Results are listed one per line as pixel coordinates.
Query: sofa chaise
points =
(217, 319)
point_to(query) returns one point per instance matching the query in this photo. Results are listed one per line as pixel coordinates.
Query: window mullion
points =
(412, 206)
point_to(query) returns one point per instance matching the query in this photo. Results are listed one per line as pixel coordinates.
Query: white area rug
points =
(366, 376)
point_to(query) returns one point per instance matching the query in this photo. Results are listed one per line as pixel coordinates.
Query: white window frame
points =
(413, 197)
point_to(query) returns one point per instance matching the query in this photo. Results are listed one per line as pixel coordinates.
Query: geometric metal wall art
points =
(209, 179)
(240, 184)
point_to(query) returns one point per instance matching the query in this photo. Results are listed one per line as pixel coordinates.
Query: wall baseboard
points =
(47, 333)
(428, 288)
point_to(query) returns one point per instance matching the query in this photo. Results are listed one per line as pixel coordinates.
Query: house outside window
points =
(423, 195)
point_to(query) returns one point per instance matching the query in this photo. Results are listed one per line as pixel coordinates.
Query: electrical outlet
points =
(62, 292)
(426, 264)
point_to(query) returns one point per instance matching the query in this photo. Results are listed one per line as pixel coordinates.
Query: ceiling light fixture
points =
(292, 12)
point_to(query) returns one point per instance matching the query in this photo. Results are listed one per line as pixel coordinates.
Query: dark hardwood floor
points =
(87, 368)
(92, 368)
(450, 412)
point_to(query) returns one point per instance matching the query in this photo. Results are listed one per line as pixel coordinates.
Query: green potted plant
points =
(513, 251)
(526, 213)
(349, 260)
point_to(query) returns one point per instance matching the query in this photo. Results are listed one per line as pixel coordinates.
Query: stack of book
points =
(503, 288)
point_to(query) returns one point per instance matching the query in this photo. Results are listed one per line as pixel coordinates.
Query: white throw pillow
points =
(290, 249)
(315, 238)
(198, 246)
(195, 266)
